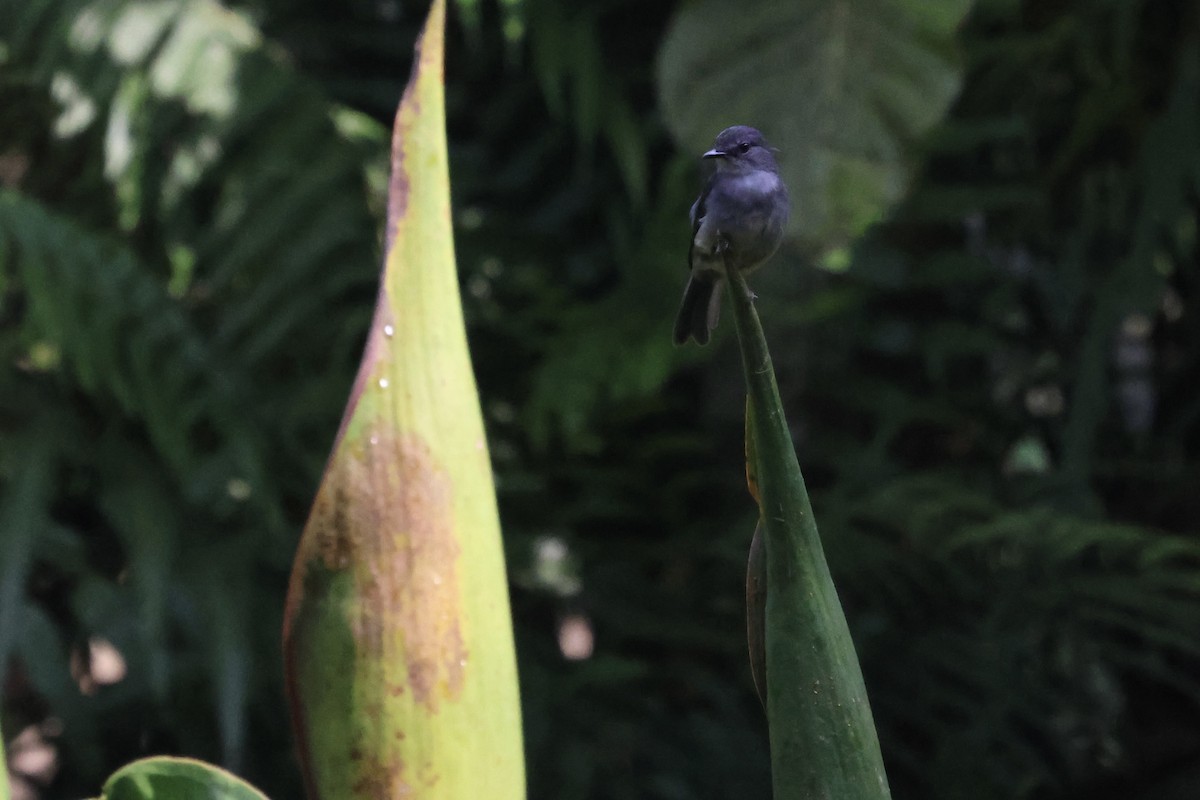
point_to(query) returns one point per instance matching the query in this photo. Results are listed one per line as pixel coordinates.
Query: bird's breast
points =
(752, 204)
(759, 182)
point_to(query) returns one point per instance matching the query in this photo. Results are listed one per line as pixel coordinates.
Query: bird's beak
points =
(714, 154)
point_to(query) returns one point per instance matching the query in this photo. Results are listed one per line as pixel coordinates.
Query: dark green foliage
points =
(163, 373)
(993, 393)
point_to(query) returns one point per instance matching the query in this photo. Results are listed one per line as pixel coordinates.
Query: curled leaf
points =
(823, 739)
(756, 613)
(398, 642)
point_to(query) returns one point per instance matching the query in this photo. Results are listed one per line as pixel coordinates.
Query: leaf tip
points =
(428, 64)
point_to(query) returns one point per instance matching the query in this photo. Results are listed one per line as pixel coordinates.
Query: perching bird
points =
(738, 221)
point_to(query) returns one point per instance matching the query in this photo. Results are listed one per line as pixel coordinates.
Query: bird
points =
(737, 223)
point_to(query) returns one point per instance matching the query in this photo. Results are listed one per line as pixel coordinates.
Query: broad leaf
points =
(843, 89)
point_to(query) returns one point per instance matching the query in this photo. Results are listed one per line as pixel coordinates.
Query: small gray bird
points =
(738, 221)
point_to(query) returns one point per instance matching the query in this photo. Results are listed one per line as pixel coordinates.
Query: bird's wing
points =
(698, 212)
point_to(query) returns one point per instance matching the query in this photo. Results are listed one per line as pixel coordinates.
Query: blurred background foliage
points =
(991, 383)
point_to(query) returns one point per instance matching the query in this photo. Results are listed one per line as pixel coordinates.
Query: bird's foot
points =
(747, 292)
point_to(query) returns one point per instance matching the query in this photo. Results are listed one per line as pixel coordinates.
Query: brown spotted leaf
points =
(397, 637)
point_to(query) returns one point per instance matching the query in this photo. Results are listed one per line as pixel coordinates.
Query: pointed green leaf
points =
(823, 740)
(398, 640)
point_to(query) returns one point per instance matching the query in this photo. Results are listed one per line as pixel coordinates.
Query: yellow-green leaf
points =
(3, 770)
(398, 640)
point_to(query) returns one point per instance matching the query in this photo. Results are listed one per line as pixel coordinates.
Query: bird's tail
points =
(700, 310)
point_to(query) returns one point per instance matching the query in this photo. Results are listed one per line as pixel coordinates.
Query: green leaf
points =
(823, 739)
(843, 89)
(168, 778)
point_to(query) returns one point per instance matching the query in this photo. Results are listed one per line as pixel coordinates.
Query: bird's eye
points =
(744, 147)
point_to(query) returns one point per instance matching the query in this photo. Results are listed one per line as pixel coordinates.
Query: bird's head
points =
(742, 149)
